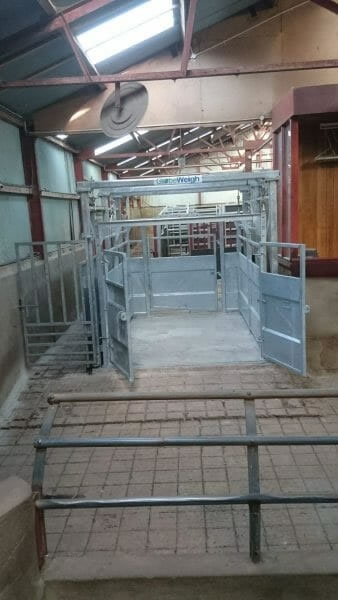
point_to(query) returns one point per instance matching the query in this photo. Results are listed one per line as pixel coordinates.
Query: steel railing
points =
(254, 499)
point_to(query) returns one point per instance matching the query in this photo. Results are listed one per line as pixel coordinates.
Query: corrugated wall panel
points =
(56, 219)
(55, 168)
(11, 166)
(91, 171)
(14, 225)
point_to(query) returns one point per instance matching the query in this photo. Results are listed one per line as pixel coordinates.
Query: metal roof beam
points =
(188, 36)
(74, 14)
(173, 75)
(85, 154)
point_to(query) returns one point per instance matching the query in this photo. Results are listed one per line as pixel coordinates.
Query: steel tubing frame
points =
(254, 499)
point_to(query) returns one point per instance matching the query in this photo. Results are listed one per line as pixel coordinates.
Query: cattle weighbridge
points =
(132, 277)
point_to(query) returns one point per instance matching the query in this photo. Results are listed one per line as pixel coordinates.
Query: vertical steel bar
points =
(128, 315)
(37, 485)
(85, 211)
(62, 284)
(302, 274)
(35, 284)
(159, 244)
(22, 307)
(263, 239)
(272, 186)
(92, 300)
(76, 282)
(254, 485)
(48, 283)
(146, 267)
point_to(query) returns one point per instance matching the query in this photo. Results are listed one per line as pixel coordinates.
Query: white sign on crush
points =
(179, 180)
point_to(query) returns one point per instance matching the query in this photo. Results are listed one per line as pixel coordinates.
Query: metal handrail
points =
(254, 499)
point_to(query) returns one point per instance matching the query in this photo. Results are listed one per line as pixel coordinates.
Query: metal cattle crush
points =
(77, 298)
(197, 258)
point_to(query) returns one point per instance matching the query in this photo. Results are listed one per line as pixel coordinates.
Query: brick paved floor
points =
(171, 471)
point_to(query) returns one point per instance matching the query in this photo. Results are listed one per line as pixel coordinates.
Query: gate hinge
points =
(307, 309)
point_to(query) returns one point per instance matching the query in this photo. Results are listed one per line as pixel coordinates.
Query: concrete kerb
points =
(192, 577)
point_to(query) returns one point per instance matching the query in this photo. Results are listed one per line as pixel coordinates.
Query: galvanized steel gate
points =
(57, 302)
(118, 312)
(273, 304)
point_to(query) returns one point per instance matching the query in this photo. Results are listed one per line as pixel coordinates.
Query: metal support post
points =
(273, 233)
(37, 486)
(221, 236)
(147, 280)
(254, 486)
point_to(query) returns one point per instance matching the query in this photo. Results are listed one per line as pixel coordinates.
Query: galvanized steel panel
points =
(137, 285)
(283, 323)
(230, 276)
(249, 294)
(184, 282)
(118, 313)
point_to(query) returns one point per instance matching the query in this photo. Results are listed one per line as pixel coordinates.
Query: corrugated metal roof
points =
(211, 12)
(16, 15)
(54, 57)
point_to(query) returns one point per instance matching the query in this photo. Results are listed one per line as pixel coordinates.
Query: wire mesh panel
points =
(57, 299)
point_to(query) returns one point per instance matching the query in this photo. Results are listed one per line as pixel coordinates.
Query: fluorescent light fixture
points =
(159, 145)
(205, 134)
(113, 144)
(127, 30)
(147, 172)
(142, 164)
(62, 136)
(116, 143)
(173, 149)
(127, 160)
(194, 129)
(191, 141)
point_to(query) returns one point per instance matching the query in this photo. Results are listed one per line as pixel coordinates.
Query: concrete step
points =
(288, 576)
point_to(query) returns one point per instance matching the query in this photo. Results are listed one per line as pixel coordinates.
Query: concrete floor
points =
(119, 472)
(184, 338)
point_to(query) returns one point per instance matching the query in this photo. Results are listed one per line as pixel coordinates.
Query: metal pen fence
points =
(57, 303)
(254, 498)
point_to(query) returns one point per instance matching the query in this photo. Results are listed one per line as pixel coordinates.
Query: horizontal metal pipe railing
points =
(157, 442)
(221, 395)
(59, 503)
(254, 499)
